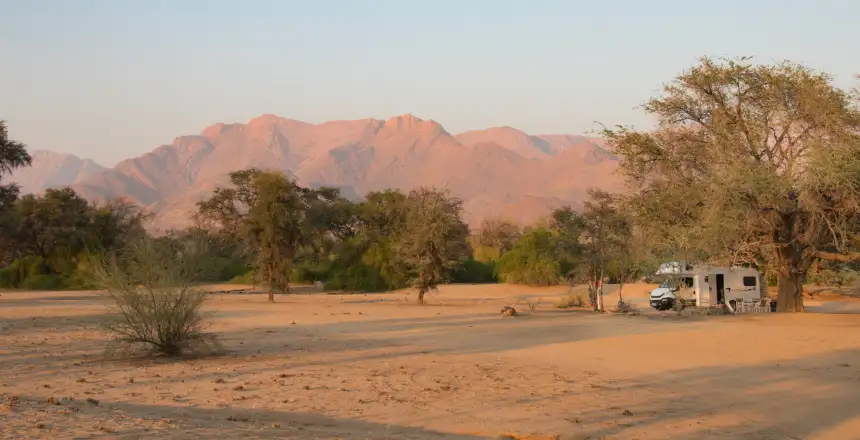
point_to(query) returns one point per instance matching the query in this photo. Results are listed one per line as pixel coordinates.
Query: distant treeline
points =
(268, 230)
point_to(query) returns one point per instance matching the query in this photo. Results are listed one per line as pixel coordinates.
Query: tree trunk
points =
(592, 294)
(271, 296)
(420, 296)
(600, 293)
(620, 297)
(790, 297)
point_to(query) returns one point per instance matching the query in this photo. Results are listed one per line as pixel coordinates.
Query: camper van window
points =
(688, 281)
(749, 281)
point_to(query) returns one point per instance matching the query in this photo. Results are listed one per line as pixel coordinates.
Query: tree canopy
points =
(12, 155)
(755, 164)
(434, 239)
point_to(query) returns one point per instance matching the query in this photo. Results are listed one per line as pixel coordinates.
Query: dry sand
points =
(380, 367)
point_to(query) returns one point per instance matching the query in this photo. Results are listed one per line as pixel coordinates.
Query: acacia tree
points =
(631, 258)
(568, 226)
(434, 238)
(274, 228)
(756, 164)
(597, 241)
(266, 211)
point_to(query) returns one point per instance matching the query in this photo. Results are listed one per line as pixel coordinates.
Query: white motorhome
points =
(705, 285)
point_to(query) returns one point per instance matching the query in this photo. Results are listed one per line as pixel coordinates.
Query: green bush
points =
(8, 278)
(532, 260)
(359, 277)
(535, 272)
(475, 272)
(246, 278)
(43, 282)
(22, 269)
(307, 272)
(226, 268)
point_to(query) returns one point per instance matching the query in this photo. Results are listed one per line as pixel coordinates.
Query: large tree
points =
(596, 242)
(434, 238)
(756, 164)
(267, 212)
(274, 228)
(54, 226)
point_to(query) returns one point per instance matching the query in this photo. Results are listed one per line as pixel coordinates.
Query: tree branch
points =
(835, 256)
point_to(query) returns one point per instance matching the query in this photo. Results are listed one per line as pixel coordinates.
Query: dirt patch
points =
(379, 366)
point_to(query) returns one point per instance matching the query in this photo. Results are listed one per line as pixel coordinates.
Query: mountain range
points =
(52, 169)
(500, 172)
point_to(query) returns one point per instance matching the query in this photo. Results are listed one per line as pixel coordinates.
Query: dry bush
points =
(530, 303)
(571, 300)
(157, 306)
(626, 309)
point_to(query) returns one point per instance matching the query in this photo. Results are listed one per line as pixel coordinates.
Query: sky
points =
(112, 79)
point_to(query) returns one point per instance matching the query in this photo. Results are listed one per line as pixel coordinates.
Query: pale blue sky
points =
(109, 79)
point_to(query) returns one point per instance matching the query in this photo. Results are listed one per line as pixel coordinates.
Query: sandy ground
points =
(380, 367)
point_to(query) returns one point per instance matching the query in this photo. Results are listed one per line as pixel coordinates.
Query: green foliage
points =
(45, 237)
(358, 277)
(434, 238)
(268, 230)
(12, 155)
(473, 271)
(33, 273)
(749, 163)
(43, 282)
(246, 278)
(485, 253)
(532, 260)
(495, 237)
(367, 265)
(287, 230)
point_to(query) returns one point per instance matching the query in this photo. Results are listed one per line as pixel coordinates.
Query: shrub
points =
(30, 272)
(307, 272)
(246, 278)
(570, 300)
(475, 272)
(156, 303)
(8, 277)
(43, 282)
(534, 272)
(531, 261)
(358, 276)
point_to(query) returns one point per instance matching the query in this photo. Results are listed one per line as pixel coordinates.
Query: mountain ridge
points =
(52, 169)
(498, 172)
